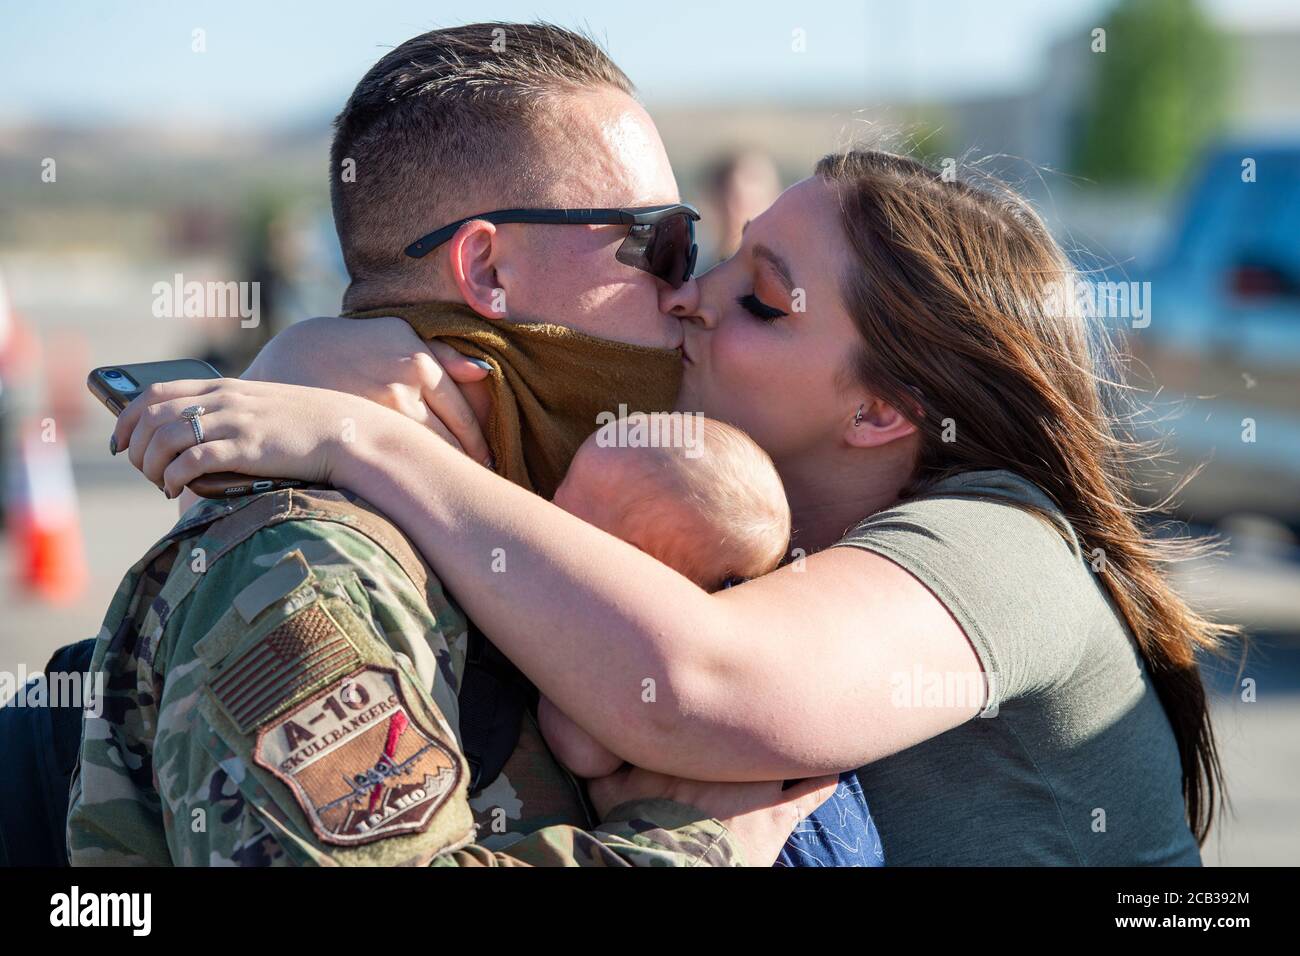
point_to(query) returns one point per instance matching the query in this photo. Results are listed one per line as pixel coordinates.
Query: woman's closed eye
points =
(755, 307)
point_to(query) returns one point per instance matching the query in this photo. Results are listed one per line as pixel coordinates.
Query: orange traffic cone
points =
(46, 527)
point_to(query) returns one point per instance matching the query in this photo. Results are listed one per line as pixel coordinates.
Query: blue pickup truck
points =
(1222, 338)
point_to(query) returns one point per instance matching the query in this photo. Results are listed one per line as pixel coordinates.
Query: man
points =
(282, 670)
(485, 117)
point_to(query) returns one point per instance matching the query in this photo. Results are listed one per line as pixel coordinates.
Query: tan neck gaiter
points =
(548, 384)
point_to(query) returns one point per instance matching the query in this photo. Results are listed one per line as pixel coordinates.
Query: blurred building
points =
(1041, 123)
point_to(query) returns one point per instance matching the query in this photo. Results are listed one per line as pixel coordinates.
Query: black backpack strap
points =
(493, 697)
(39, 747)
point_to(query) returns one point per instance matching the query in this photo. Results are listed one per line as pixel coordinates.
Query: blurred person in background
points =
(741, 185)
(271, 252)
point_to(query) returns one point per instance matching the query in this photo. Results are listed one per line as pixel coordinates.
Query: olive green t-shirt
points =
(1073, 761)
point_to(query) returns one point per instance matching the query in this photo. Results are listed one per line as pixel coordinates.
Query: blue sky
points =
(293, 60)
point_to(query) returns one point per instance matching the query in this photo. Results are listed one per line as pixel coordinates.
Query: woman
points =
(966, 544)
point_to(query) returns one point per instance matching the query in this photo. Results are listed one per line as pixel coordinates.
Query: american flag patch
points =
(303, 653)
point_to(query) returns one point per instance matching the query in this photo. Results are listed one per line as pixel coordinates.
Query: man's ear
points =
(473, 256)
(874, 423)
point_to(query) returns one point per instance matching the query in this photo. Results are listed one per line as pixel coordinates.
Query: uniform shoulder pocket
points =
(290, 638)
(321, 726)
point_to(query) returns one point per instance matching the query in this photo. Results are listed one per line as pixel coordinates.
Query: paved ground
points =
(1260, 745)
(121, 518)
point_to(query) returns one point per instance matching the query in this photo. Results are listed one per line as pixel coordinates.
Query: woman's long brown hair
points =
(967, 310)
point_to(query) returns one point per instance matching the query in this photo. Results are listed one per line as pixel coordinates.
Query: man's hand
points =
(760, 816)
(382, 360)
(572, 746)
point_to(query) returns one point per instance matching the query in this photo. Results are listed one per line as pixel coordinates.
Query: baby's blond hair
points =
(712, 510)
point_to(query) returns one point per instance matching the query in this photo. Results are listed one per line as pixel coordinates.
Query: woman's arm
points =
(381, 359)
(785, 676)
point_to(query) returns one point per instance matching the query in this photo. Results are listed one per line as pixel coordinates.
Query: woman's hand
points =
(760, 816)
(382, 360)
(263, 429)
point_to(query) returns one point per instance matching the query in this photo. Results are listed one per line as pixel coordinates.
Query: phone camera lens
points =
(112, 373)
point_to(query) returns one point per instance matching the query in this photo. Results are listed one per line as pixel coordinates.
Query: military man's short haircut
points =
(449, 116)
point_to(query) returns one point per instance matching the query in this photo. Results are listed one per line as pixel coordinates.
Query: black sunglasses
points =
(661, 240)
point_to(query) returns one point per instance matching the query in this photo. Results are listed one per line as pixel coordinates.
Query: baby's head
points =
(710, 506)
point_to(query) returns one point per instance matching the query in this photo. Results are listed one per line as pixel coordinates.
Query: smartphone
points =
(116, 385)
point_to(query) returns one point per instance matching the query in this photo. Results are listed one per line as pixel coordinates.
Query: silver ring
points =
(191, 415)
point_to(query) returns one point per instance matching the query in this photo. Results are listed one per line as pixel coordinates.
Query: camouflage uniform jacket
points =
(280, 687)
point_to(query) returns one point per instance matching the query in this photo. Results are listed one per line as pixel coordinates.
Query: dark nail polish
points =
(485, 366)
(112, 444)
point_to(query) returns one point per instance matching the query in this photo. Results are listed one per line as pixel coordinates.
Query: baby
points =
(710, 506)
